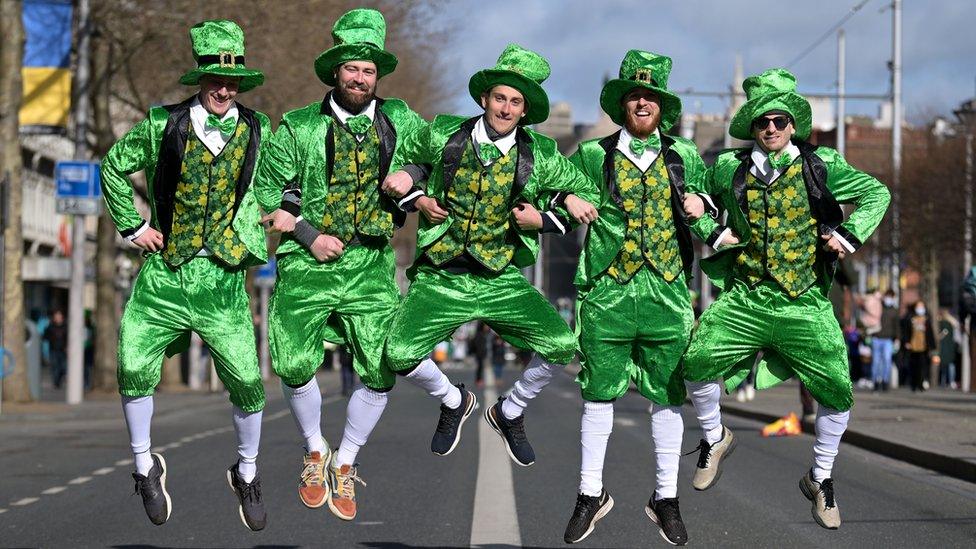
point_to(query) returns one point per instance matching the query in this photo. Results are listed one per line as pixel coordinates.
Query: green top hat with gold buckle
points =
(218, 48)
(773, 90)
(644, 70)
(523, 70)
(359, 35)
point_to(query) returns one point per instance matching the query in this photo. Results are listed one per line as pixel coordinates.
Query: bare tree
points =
(15, 386)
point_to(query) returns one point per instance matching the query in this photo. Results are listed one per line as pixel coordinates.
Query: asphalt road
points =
(69, 485)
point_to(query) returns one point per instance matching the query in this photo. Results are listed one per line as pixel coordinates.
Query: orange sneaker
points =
(342, 483)
(312, 487)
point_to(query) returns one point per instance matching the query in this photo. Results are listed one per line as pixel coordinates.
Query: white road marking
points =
(494, 520)
(123, 462)
(103, 471)
(79, 480)
(25, 501)
(54, 490)
(624, 421)
(2, 511)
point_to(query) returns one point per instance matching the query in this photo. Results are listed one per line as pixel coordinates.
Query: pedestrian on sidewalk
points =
(56, 336)
(919, 338)
(882, 342)
(949, 334)
(479, 346)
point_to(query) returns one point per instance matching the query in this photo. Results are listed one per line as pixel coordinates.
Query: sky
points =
(584, 40)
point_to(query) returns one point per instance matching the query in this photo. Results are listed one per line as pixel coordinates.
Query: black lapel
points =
(169, 164)
(525, 162)
(609, 144)
(387, 135)
(739, 179)
(250, 157)
(453, 149)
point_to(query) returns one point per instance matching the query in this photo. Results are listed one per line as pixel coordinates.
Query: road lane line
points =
(495, 517)
(54, 490)
(25, 501)
(103, 471)
(79, 480)
(123, 462)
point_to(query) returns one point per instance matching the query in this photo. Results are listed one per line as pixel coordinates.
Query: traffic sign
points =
(78, 187)
(265, 275)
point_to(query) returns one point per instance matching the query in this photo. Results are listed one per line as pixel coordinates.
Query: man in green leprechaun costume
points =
(199, 157)
(335, 265)
(635, 314)
(782, 196)
(480, 225)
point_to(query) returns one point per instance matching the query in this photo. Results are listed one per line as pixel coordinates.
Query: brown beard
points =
(350, 103)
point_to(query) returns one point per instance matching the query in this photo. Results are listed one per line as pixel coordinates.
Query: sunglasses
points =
(780, 122)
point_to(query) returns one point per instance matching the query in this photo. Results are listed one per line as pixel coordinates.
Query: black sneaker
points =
(152, 488)
(448, 432)
(589, 509)
(512, 432)
(250, 507)
(665, 513)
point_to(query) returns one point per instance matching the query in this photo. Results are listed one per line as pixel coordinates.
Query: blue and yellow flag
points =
(46, 70)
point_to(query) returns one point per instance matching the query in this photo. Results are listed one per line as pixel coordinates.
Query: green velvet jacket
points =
(605, 236)
(830, 181)
(302, 153)
(541, 172)
(156, 145)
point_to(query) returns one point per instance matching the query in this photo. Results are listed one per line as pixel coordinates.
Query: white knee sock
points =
(364, 411)
(705, 396)
(138, 413)
(306, 407)
(594, 433)
(536, 376)
(430, 378)
(831, 425)
(667, 429)
(248, 427)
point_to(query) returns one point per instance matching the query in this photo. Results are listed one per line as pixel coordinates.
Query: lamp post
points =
(966, 113)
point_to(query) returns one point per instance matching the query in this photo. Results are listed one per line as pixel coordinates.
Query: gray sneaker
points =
(825, 510)
(152, 488)
(710, 459)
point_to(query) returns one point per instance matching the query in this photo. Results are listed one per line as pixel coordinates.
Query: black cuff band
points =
(305, 233)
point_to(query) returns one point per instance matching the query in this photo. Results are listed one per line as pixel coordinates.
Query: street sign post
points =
(78, 187)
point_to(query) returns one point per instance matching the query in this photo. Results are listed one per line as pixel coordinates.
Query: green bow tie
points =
(359, 124)
(489, 152)
(638, 146)
(225, 126)
(780, 161)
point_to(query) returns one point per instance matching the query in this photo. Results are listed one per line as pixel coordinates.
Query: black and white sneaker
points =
(448, 432)
(251, 507)
(589, 509)
(665, 513)
(512, 432)
(152, 488)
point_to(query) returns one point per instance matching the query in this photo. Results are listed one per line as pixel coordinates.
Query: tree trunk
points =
(15, 385)
(106, 302)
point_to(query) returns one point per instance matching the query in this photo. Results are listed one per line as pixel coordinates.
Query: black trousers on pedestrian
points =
(918, 369)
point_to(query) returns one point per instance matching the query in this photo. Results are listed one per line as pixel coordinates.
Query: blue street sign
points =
(265, 274)
(78, 185)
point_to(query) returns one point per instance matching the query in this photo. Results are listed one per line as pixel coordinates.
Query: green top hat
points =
(773, 90)
(359, 35)
(218, 48)
(523, 70)
(646, 70)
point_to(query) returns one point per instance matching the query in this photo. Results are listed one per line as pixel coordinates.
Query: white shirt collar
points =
(645, 160)
(480, 136)
(211, 137)
(760, 162)
(343, 114)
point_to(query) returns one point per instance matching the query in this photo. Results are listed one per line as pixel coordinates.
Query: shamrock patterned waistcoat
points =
(650, 238)
(352, 206)
(783, 243)
(479, 198)
(203, 206)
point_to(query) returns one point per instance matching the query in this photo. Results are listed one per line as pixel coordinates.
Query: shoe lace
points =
(251, 491)
(827, 487)
(583, 505)
(706, 452)
(517, 428)
(143, 486)
(445, 425)
(312, 473)
(668, 510)
(346, 482)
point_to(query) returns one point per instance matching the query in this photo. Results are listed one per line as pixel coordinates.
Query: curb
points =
(953, 467)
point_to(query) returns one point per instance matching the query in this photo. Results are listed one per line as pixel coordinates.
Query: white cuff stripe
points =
(409, 197)
(843, 242)
(721, 237)
(708, 199)
(555, 220)
(142, 228)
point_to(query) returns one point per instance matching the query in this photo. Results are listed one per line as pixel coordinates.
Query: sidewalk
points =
(935, 429)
